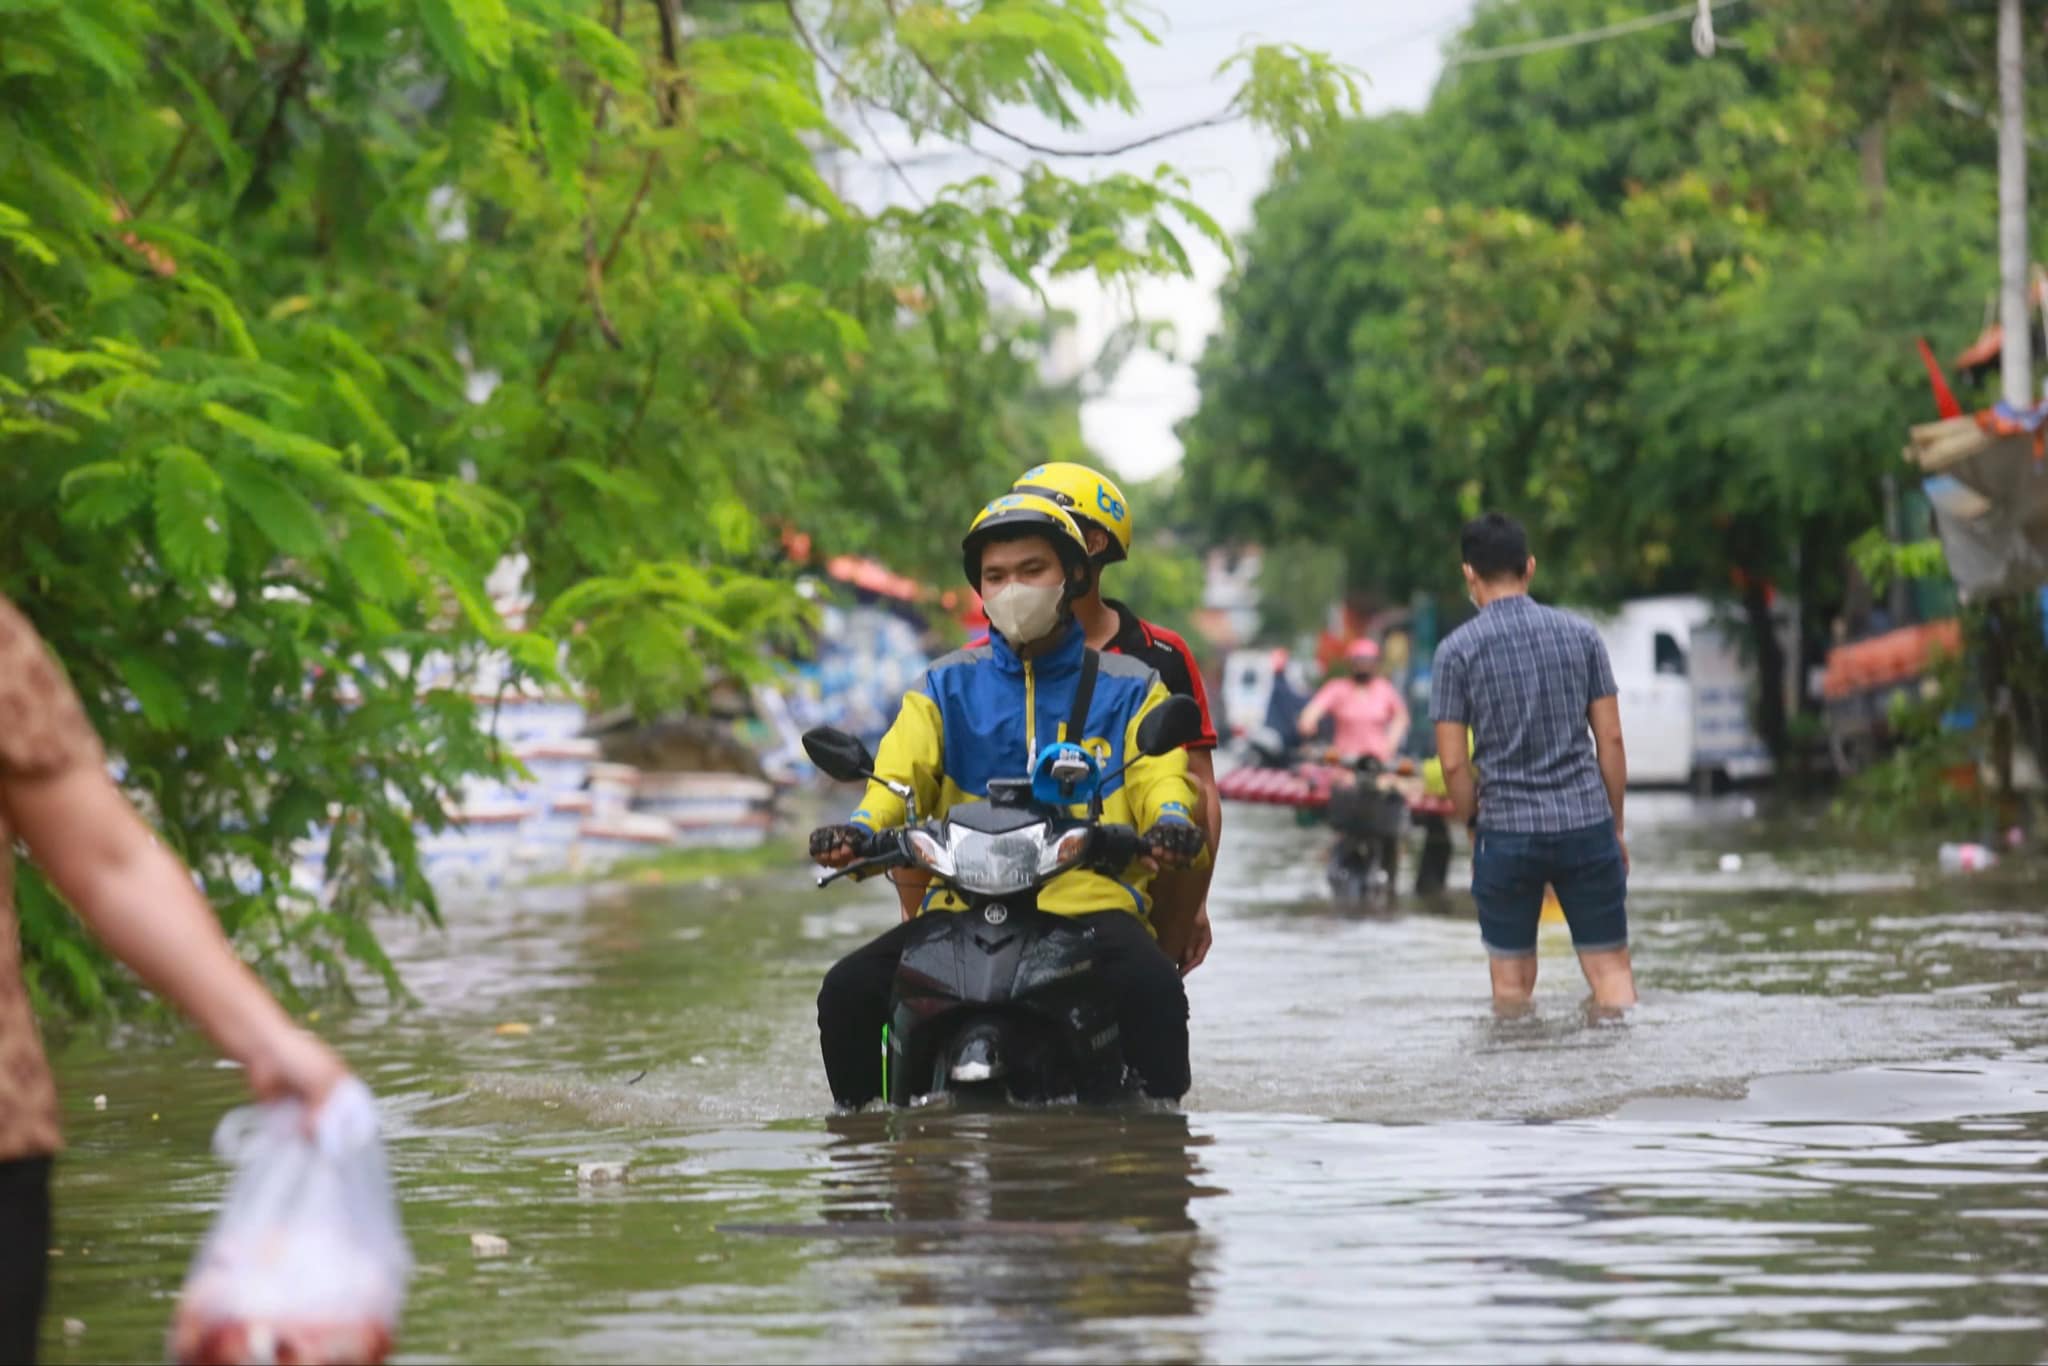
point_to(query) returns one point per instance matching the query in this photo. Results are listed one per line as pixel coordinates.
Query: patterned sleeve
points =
(1600, 672)
(43, 729)
(1448, 699)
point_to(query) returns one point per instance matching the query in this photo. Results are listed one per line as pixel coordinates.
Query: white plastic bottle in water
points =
(1966, 858)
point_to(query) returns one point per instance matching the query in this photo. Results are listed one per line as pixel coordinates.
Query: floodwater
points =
(1822, 1137)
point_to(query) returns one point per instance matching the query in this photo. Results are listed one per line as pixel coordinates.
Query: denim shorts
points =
(1510, 870)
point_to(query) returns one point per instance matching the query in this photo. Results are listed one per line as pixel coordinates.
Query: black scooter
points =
(998, 1001)
(1368, 821)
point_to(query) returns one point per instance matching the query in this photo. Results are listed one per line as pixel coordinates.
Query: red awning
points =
(875, 577)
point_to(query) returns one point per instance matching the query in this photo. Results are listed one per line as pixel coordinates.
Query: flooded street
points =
(1823, 1136)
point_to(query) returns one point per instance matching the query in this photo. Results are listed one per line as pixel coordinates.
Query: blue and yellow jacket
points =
(983, 713)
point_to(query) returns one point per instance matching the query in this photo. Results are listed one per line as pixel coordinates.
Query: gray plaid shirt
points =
(1521, 675)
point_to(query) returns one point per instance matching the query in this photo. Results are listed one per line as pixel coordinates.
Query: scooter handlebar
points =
(1116, 847)
(896, 855)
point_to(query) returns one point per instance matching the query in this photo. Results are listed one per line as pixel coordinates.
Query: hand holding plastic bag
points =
(306, 1262)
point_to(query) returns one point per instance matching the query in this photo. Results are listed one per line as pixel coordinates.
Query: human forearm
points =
(1464, 789)
(1604, 716)
(1178, 899)
(1614, 775)
(139, 900)
(1208, 801)
(1454, 755)
(150, 916)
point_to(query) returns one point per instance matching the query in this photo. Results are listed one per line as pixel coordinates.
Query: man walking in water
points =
(1528, 681)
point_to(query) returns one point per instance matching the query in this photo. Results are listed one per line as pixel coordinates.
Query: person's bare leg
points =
(1514, 982)
(1610, 974)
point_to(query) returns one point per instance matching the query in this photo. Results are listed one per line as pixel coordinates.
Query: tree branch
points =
(1230, 113)
(170, 167)
(36, 307)
(665, 94)
(803, 36)
(646, 395)
(270, 142)
(561, 341)
(593, 271)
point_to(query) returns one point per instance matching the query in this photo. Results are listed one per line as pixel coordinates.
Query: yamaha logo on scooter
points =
(995, 913)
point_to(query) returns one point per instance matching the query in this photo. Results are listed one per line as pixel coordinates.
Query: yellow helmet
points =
(1019, 514)
(1091, 496)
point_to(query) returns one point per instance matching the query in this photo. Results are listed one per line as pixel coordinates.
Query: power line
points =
(1265, 16)
(1379, 45)
(1580, 39)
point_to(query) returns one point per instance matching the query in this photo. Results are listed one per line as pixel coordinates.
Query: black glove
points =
(1116, 848)
(1174, 843)
(851, 841)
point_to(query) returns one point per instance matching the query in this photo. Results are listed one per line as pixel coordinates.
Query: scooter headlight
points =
(1063, 852)
(995, 865)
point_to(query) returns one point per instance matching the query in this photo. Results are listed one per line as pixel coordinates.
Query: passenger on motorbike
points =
(1371, 719)
(983, 713)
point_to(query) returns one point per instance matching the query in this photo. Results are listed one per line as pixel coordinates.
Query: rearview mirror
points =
(1175, 722)
(839, 756)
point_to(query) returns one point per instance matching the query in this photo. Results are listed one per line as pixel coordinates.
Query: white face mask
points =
(1024, 613)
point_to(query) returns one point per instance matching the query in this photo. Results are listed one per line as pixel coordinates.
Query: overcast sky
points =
(1397, 43)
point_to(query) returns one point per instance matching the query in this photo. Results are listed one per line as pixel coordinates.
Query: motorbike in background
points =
(1368, 818)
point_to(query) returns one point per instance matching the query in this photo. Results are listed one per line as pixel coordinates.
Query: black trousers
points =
(1152, 1008)
(24, 1254)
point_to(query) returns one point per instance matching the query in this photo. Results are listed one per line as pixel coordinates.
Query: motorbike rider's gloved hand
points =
(835, 846)
(1173, 843)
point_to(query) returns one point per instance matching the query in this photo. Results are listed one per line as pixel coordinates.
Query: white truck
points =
(1688, 692)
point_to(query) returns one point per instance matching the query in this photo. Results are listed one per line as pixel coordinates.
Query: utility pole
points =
(2016, 350)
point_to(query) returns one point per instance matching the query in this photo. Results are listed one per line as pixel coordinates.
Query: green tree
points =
(1647, 302)
(314, 309)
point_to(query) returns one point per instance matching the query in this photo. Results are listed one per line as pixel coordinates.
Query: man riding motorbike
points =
(1181, 914)
(1371, 718)
(983, 713)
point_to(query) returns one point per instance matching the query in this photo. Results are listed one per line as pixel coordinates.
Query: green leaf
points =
(223, 20)
(203, 110)
(565, 137)
(116, 58)
(391, 448)
(163, 701)
(377, 560)
(303, 450)
(15, 228)
(471, 36)
(223, 309)
(279, 511)
(613, 59)
(46, 366)
(191, 518)
(103, 493)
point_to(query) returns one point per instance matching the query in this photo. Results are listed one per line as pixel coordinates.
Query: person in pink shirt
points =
(1370, 715)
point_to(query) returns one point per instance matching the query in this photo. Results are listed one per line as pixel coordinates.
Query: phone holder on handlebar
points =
(1065, 774)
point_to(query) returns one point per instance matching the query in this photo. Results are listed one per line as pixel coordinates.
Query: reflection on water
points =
(1824, 1136)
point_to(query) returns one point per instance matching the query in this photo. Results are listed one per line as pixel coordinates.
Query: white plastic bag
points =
(306, 1262)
